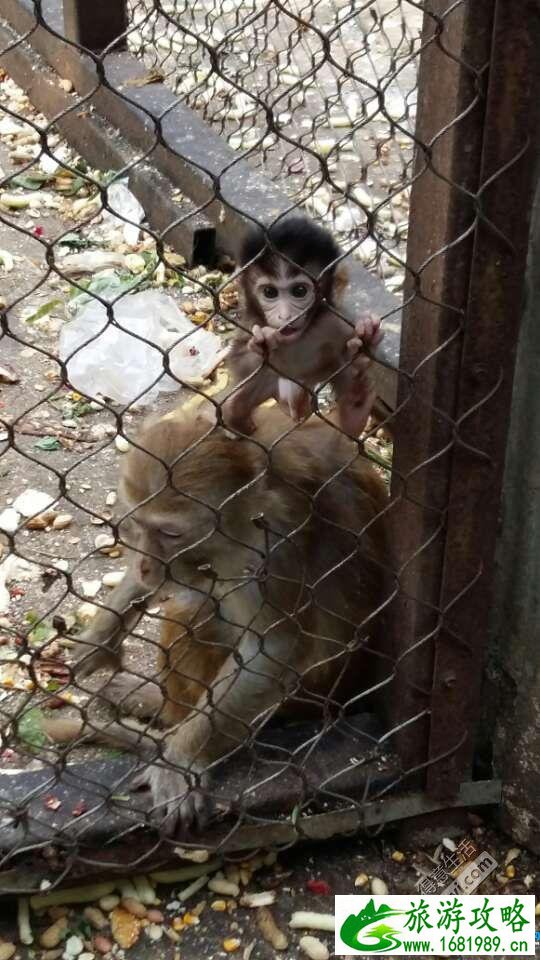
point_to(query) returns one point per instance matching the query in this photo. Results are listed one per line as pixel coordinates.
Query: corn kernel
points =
(191, 920)
(219, 906)
(231, 944)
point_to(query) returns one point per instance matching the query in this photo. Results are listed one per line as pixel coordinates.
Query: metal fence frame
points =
(469, 224)
(466, 299)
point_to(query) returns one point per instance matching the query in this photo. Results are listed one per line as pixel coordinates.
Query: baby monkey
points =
(296, 338)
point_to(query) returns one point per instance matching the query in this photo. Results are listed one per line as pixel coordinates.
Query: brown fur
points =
(322, 354)
(299, 466)
(189, 660)
(306, 580)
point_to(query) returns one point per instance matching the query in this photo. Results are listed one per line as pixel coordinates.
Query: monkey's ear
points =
(341, 282)
(252, 243)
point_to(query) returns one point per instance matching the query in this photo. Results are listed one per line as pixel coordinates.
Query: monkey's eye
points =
(270, 292)
(299, 291)
(170, 533)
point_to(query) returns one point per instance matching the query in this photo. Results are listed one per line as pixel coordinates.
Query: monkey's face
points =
(187, 541)
(182, 535)
(285, 297)
(187, 516)
(188, 548)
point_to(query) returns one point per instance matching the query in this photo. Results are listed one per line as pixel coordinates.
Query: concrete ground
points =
(304, 878)
(297, 877)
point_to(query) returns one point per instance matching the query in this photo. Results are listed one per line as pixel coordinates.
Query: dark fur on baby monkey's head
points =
(294, 260)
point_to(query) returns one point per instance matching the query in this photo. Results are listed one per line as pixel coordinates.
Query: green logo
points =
(381, 936)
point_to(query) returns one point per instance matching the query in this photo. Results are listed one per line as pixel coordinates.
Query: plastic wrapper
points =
(121, 201)
(124, 360)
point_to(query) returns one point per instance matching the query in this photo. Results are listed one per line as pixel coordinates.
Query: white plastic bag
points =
(119, 365)
(14, 568)
(121, 200)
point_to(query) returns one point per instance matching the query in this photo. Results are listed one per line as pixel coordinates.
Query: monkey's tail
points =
(130, 736)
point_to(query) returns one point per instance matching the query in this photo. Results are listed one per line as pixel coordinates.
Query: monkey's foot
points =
(179, 799)
(134, 696)
(356, 405)
(87, 658)
(236, 418)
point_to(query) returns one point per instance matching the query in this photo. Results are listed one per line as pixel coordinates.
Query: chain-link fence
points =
(279, 623)
(352, 103)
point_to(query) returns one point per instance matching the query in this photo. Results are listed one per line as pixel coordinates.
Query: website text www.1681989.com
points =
(447, 925)
(462, 945)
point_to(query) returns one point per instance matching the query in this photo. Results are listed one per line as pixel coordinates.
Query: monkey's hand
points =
(367, 335)
(97, 649)
(264, 340)
(88, 660)
(100, 645)
(178, 788)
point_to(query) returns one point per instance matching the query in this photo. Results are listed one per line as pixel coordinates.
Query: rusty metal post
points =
(96, 26)
(456, 51)
(494, 312)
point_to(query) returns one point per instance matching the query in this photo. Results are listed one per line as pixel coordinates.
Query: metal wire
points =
(320, 97)
(341, 84)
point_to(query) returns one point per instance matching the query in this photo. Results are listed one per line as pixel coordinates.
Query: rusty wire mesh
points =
(352, 103)
(320, 97)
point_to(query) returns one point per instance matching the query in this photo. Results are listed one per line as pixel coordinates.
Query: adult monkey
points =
(274, 550)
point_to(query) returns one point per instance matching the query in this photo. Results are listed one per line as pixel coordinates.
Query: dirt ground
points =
(83, 454)
(305, 879)
(92, 471)
(61, 439)
(64, 446)
(355, 108)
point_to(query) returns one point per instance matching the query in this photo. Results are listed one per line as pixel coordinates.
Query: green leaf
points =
(41, 634)
(107, 176)
(30, 730)
(31, 616)
(48, 443)
(111, 288)
(30, 181)
(81, 409)
(74, 242)
(213, 280)
(75, 292)
(80, 926)
(43, 310)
